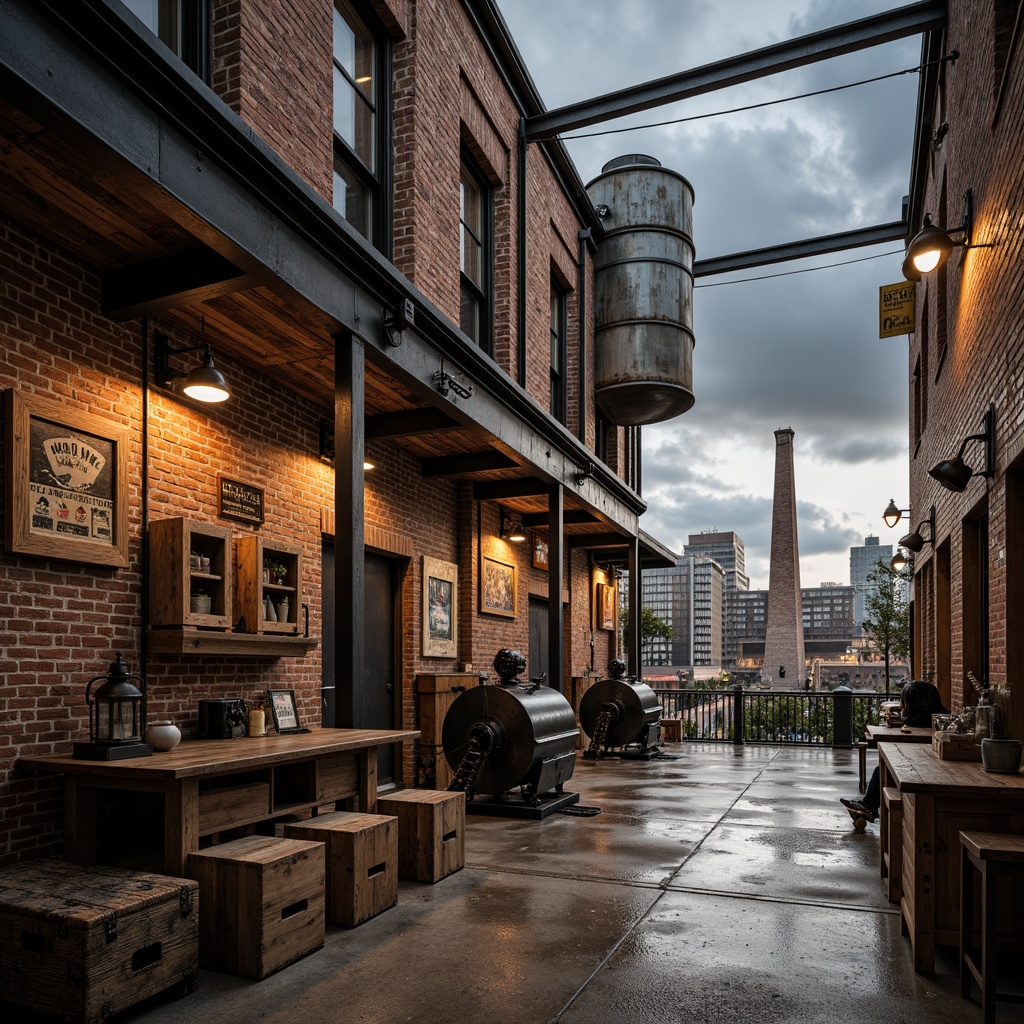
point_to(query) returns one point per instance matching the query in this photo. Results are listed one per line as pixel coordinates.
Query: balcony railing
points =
(772, 716)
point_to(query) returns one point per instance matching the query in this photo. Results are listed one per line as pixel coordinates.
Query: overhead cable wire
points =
(804, 270)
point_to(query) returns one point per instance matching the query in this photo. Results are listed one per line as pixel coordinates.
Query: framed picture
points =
(282, 707)
(605, 606)
(67, 482)
(236, 500)
(497, 587)
(440, 608)
(539, 549)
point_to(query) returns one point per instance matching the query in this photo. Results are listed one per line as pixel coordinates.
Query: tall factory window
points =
(559, 352)
(360, 161)
(476, 217)
(183, 26)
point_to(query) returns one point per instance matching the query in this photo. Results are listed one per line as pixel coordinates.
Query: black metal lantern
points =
(117, 716)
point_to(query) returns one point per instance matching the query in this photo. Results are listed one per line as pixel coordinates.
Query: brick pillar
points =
(784, 642)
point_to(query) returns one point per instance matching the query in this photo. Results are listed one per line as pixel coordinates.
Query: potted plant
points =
(275, 569)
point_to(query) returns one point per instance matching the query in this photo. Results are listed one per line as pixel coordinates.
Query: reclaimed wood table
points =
(940, 800)
(874, 734)
(212, 785)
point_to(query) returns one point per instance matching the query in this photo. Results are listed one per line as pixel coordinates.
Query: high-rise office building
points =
(690, 597)
(726, 549)
(863, 561)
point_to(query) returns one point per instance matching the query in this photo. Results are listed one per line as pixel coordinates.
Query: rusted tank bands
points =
(643, 287)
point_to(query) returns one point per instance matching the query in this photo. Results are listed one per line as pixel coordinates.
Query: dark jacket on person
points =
(921, 700)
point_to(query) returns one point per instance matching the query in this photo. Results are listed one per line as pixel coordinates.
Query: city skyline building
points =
(864, 560)
(727, 549)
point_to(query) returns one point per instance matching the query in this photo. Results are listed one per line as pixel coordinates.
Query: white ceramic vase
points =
(162, 735)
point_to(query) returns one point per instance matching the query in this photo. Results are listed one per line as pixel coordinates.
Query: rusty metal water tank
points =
(643, 292)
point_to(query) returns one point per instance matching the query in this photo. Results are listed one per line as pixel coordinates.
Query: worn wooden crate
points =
(431, 832)
(83, 943)
(953, 746)
(362, 862)
(263, 903)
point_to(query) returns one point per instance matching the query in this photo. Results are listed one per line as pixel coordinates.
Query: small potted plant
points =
(275, 569)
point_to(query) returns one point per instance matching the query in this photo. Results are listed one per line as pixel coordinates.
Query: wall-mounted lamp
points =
(954, 474)
(397, 320)
(899, 561)
(913, 541)
(327, 445)
(892, 515)
(930, 247)
(204, 383)
(512, 527)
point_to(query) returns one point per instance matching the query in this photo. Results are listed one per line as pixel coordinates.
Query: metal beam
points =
(877, 235)
(409, 423)
(571, 517)
(170, 282)
(496, 490)
(466, 463)
(599, 541)
(747, 67)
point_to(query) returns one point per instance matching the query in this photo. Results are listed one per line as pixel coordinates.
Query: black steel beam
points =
(409, 423)
(747, 67)
(571, 517)
(466, 463)
(896, 231)
(169, 282)
(496, 490)
(599, 541)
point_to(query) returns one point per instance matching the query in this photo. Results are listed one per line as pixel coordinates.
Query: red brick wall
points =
(983, 312)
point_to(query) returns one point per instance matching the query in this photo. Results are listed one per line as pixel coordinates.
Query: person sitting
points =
(918, 702)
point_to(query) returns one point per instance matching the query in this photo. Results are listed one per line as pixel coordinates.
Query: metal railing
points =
(834, 718)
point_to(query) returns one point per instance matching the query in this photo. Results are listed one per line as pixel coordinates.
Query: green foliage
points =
(887, 614)
(651, 628)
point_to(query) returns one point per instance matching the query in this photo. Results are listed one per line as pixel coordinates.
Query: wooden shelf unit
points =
(251, 590)
(437, 693)
(173, 580)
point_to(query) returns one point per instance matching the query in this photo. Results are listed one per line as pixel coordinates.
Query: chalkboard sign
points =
(243, 502)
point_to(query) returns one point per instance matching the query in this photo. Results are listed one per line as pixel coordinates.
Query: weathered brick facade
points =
(60, 622)
(967, 355)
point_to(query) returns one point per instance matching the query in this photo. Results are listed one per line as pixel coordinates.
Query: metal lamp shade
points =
(954, 474)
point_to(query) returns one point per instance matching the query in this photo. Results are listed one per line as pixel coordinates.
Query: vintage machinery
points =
(499, 737)
(621, 712)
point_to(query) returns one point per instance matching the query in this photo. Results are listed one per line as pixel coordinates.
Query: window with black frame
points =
(183, 26)
(559, 352)
(475, 256)
(359, 123)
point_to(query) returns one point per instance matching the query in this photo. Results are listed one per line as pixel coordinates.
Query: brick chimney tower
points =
(784, 642)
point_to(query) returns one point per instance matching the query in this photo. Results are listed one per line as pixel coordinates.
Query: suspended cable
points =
(804, 270)
(755, 106)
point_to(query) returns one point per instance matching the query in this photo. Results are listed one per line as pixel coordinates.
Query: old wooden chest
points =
(85, 942)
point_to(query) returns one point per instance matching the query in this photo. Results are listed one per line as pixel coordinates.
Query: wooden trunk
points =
(431, 832)
(263, 903)
(83, 943)
(362, 862)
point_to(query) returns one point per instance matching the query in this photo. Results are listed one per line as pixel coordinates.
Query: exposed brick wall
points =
(981, 304)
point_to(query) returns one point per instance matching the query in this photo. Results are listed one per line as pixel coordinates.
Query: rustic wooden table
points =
(212, 785)
(941, 799)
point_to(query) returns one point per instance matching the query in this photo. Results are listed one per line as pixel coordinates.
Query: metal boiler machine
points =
(621, 713)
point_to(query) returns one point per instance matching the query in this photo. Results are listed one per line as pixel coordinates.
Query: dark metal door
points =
(379, 656)
(328, 716)
(538, 663)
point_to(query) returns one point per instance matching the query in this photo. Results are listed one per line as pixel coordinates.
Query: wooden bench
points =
(890, 838)
(431, 832)
(992, 855)
(361, 869)
(261, 903)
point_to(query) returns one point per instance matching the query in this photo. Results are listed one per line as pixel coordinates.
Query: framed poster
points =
(605, 606)
(440, 608)
(67, 482)
(497, 587)
(236, 500)
(539, 549)
(284, 710)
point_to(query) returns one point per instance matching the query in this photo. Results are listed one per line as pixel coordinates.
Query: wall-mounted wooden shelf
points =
(254, 645)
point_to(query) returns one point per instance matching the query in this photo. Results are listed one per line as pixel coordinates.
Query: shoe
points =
(856, 807)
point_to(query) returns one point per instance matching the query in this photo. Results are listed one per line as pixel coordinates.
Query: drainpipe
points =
(586, 240)
(521, 244)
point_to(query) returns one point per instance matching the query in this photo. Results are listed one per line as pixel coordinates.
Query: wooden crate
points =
(431, 832)
(362, 862)
(263, 903)
(85, 942)
(950, 746)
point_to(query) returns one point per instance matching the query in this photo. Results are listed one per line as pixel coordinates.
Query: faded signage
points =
(896, 309)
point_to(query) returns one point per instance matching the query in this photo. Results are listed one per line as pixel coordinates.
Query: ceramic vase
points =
(1000, 755)
(162, 735)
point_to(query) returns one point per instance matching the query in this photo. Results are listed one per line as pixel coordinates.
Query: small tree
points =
(887, 614)
(651, 628)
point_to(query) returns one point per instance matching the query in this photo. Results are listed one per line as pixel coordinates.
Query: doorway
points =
(538, 664)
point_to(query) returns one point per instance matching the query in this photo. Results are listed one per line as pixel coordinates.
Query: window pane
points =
(354, 56)
(352, 199)
(354, 48)
(471, 249)
(469, 314)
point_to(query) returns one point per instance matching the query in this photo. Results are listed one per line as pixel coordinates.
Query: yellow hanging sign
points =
(896, 309)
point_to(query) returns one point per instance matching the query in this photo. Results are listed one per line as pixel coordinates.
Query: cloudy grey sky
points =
(800, 350)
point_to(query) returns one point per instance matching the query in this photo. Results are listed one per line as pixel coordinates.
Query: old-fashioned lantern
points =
(117, 716)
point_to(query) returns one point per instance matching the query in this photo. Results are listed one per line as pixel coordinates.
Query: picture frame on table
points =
(67, 482)
(440, 608)
(497, 587)
(284, 711)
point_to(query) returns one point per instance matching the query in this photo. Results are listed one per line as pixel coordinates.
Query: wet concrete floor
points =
(721, 885)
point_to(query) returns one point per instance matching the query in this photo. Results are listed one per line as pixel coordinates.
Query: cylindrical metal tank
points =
(636, 706)
(528, 735)
(643, 292)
